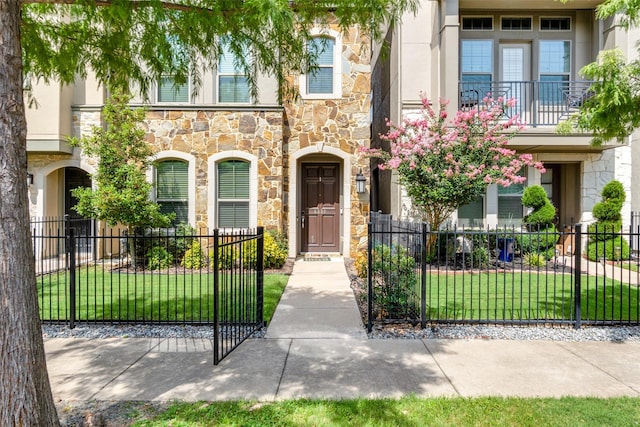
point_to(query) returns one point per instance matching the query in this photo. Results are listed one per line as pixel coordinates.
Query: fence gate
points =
(238, 289)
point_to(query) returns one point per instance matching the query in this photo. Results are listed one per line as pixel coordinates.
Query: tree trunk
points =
(25, 393)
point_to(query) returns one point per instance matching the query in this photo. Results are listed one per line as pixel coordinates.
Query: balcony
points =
(538, 103)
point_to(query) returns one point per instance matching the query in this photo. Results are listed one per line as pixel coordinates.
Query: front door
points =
(320, 216)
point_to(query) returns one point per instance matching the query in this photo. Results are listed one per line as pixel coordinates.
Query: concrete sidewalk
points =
(316, 347)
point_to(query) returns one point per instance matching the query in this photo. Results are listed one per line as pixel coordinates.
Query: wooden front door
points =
(320, 216)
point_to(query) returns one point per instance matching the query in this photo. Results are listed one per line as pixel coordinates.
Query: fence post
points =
(71, 251)
(216, 286)
(423, 281)
(369, 276)
(577, 278)
(260, 278)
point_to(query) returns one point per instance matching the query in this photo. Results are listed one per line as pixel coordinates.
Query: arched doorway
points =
(83, 228)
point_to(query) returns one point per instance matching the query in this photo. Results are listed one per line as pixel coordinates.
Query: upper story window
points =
(233, 194)
(172, 189)
(477, 23)
(169, 91)
(555, 24)
(233, 83)
(325, 80)
(476, 60)
(509, 23)
(320, 80)
(555, 70)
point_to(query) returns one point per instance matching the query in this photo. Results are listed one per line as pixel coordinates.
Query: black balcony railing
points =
(537, 103)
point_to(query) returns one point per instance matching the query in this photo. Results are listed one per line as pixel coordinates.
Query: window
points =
(169, 91)
(233, 84)
(172, 189)
(516, 24)
(476, 71)
(320, 80)
(555, 67)
(477, 23)
(510, 209)
(233, 194)
(472, 214)
(555, 24)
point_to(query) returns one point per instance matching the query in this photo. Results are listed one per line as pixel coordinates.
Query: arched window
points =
(232, 194)
(172, 188)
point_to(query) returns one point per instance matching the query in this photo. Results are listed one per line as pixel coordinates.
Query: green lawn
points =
(524, 295)
(105, 295)
(408, 411)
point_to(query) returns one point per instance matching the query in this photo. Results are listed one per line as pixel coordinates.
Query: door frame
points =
(321, 153)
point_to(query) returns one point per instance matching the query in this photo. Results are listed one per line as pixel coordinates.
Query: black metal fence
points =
(580, 275)
(159, 276)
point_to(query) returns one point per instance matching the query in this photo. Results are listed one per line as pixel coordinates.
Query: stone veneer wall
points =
(203, 133)
(598, 170)
(342, 123)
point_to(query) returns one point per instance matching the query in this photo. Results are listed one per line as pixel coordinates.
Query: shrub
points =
(615, 249)
(534, 196)
(275, 249)
(479, 257)
(604, 235)
(158, 257)
(361, 264)
(543, 213)
(539, 241)
(193, 257)
(535, 260)
(614, 190)
(394, 280)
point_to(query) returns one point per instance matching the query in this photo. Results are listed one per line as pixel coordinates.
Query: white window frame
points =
(214, 160)
(337, 68)
(191, 174)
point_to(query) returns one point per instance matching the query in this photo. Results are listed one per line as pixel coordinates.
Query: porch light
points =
(29, 179)
(360, 182)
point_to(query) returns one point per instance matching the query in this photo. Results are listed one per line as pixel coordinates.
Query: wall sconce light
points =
(360, 182)
(29, 179)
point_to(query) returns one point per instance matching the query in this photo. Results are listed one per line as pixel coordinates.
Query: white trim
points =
(189, 91)
(191, 161)
(214, 159)
(345, 196)
(337, 67)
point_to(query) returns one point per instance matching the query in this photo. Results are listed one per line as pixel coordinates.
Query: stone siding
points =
(203, 133)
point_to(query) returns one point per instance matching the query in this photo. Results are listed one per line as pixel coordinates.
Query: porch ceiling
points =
(536, 5)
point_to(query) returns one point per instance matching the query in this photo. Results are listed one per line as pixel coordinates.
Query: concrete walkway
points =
(316, 347)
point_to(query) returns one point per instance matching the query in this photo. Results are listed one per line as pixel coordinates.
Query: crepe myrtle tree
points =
(446, 163)
(127, 44)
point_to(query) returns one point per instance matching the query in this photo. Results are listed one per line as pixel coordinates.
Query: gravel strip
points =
(388, 331)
